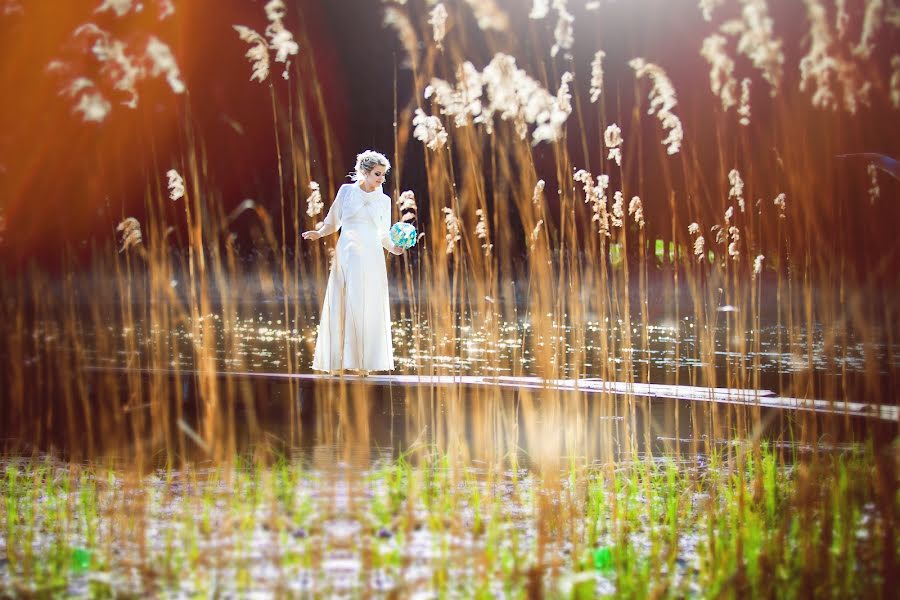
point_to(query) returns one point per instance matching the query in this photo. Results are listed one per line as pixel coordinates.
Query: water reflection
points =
(673, 351)
(358, 421)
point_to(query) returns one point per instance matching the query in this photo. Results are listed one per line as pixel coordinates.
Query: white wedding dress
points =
(355, 327)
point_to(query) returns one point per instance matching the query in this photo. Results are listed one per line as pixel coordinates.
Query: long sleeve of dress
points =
(332, 220)
(384, 223)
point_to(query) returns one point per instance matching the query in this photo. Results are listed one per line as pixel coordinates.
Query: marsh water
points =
(820, 357)
(338, 440)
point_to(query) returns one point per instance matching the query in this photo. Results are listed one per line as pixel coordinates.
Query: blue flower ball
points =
(403, 235)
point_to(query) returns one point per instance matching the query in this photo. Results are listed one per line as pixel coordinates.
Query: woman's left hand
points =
(397, 250)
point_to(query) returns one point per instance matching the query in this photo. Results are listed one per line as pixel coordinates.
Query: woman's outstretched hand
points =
(311, 235)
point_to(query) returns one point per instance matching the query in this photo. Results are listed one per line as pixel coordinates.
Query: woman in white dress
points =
(355, 327)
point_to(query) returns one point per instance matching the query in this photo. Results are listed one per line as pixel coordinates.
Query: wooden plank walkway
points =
(763, 398)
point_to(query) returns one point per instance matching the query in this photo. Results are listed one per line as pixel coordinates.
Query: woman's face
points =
(375, 177)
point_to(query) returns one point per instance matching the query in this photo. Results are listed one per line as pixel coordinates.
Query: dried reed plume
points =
(737, 188)
(872, 21)
(721, 235)
(564, 34)
(488, 15)
(841, 18)
(453, 229)
(721, 74)
(314, 203)
(164, 8)
(429, 130)
(257, 54)
(536, 232)
(162, 61)
(552, 129)
(744, 106)
(617, 217)
(406, 203)
(662, 101)
(399, 22)
(539, 10)
(120, 7)
(538, 193)
(595, 195)
(821, 69)
(510, 92)
(597, 76)
(699, 242)
(116, 63)
(437, 18)
(120, 66)
(130, 228)
(280, 41)
(735, 235)
(757, 265)
(636, 208)
(481, 232)
(176, 184)
(92, 105)
(463, 101)
(612, 137)
(781, 204)
(708, 6)
(756, 41)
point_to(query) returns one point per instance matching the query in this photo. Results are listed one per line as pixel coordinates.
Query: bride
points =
(355, 326)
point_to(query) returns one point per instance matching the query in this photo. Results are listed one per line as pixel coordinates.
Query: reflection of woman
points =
(355, 328)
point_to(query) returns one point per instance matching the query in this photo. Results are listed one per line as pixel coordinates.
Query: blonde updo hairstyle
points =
(366, 161)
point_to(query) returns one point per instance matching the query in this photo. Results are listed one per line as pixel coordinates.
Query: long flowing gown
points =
(355, 327)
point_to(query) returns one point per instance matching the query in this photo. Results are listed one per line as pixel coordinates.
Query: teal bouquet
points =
(403, 235)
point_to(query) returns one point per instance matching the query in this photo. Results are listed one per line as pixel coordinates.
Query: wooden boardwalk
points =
(687, 393)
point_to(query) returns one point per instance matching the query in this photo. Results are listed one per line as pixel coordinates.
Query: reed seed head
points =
(538, 192)
(429, 130)
(744, 106)
(407, 205)
(698, 247)
(757, 265)
(453, 234)
(314, 203)
(708, 6)
(781, 204)
(437, 18)
(662, 101)
(488, 15)
(539, 9)
(736, 191)
(597, 76)
(721, 74)
(564, 33)
(636, 208)
(176, 185)
(130, 228)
